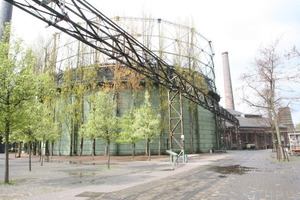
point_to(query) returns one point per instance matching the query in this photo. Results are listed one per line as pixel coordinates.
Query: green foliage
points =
(138, 124)
(102, 122)
(75, 87)
(129, 133)
(47, 129)
(146, 120)
(37, 124)
(194, 77)
(17, 82)
(17, 86)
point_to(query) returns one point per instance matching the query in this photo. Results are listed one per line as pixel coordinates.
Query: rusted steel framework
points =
(108, 38)
(176, 120)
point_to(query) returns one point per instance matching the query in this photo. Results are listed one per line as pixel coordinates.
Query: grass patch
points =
(7, 184)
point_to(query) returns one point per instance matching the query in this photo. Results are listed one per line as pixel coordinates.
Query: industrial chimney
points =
(5, 14)
(229, 101)
(285, 118)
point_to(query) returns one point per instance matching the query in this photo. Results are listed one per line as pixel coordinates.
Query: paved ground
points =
(232, 175)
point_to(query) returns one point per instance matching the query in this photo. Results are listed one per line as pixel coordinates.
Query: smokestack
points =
(229, 101)
(5, 14)
(285, 118)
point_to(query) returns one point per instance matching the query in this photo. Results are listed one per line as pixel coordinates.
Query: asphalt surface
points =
(238, 175)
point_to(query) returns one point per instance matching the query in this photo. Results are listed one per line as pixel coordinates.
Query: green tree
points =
(147, 123)
(37, 126)
(25, 133)
(86, 81)
(102, 122)
(76, 85)
(16, 87)
(130, 133)
(36, 118)
(46, 129)
(67, 106)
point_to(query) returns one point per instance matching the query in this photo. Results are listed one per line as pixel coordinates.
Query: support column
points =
(176, 120)
(176, 129)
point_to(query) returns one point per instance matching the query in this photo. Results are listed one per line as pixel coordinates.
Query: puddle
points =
(232, 169)
(89, 194)
(82, 174)
(167, 169)
(75, 162)
(89, 163)
(81, 162)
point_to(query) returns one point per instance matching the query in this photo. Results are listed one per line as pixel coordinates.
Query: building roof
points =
(251, 121)
(234, 112)
(258, 122)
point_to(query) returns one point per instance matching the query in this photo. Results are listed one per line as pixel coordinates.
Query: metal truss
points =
(176, 120)
(84, 22)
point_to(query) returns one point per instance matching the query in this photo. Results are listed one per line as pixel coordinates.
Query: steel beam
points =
(176, 120)
(114, 42)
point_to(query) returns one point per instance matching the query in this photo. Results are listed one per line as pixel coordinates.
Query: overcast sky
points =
(236, 26)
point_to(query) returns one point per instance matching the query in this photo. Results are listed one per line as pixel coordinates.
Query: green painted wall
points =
(199, 129)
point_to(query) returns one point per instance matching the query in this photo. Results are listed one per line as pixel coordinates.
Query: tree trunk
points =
(149, 150)
(14, 149)
(59, 144)
(272, 133)
(108, 154)
(34, 148)
(6, 173)
(40, 151)
(159, 143)
(19, 149)
(29, 155)
(133, 149)
(280, 148)
(277, 130)
(82, 122)
(274, 149)
(81, 146)
(52, 147)
(42, 154)
(47, 151)
(93, 148)
(71, 143)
